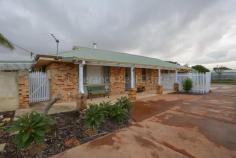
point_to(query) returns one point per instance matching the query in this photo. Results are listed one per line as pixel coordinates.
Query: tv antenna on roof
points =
(56, 40)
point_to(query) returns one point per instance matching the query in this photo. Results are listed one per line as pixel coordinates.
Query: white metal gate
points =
(38, 87)
(201, 81)
(168, 80)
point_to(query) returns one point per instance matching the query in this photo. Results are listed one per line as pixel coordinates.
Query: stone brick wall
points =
(63, 80)
(117, 80)
(150, 84)
(23, 88)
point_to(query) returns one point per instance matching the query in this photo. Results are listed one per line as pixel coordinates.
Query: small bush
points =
(94, 116)
(105, 107)
(31, 128)
(125, 103)
(187, 85)
(118, 114)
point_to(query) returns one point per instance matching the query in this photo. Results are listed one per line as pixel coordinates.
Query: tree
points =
(200, 68)
(219, 69)
(5, 42)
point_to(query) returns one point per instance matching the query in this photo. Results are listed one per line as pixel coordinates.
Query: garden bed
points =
(230, 82)
(68, 132)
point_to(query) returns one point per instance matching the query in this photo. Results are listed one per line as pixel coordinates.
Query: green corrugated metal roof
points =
(85, 53)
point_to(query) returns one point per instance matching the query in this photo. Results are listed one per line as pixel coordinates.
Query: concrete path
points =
(172, 126)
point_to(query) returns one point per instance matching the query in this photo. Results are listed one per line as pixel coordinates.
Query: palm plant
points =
(5, 42)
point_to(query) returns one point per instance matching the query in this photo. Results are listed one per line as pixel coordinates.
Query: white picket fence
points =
(38, 87)
(201, 81)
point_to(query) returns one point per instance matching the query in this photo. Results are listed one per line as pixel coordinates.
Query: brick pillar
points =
(176, 87)
(132, 94)
(23, 88)
(81, 102)
(117, 80)
(159, 89)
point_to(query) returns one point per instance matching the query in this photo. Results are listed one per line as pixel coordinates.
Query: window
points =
(94, 74)
(106, 74)
(148, 74)
(85, 74)
(143, 74)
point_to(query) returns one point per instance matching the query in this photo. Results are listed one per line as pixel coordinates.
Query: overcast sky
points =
(187, 31)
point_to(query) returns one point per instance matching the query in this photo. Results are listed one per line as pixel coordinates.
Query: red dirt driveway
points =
(172, 126)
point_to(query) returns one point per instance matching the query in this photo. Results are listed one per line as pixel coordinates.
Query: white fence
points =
(201, 81)
(38, 87)
(225, 75)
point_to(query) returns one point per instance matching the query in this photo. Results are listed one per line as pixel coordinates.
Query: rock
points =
(7, 119)
(2, 146)
(71, 142)
(36, 149)
(90, 131)
(1, 124)
(13, 133)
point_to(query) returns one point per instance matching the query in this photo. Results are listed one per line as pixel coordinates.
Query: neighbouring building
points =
(14, 91)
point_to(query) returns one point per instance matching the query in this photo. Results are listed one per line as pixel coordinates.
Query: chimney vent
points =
(94, 45)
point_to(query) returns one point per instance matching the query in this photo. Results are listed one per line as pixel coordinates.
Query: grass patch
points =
(233, 82)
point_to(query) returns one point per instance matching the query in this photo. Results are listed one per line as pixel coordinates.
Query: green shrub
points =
(118, 114)
(105, 108)
(31, 128)
(94, 116)
(187, 85)
(125, 103)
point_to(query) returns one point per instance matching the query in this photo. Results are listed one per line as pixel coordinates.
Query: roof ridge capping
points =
(78, 48)
(83, 53)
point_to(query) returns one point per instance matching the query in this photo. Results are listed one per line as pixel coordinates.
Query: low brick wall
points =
(132, 95)
(63, 80)
(159, 89)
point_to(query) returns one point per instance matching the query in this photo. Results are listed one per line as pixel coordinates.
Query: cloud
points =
(187, 31)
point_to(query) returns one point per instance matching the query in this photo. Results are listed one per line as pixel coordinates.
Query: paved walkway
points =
(172, 125)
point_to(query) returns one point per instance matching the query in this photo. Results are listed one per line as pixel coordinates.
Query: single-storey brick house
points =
(72, 72)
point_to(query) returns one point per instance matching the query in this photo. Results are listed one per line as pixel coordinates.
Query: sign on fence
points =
(38, 87)
(201, 81)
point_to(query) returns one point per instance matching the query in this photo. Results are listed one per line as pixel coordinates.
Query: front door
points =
(127, 79)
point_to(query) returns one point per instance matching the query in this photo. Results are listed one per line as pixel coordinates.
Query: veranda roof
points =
(91, 54)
